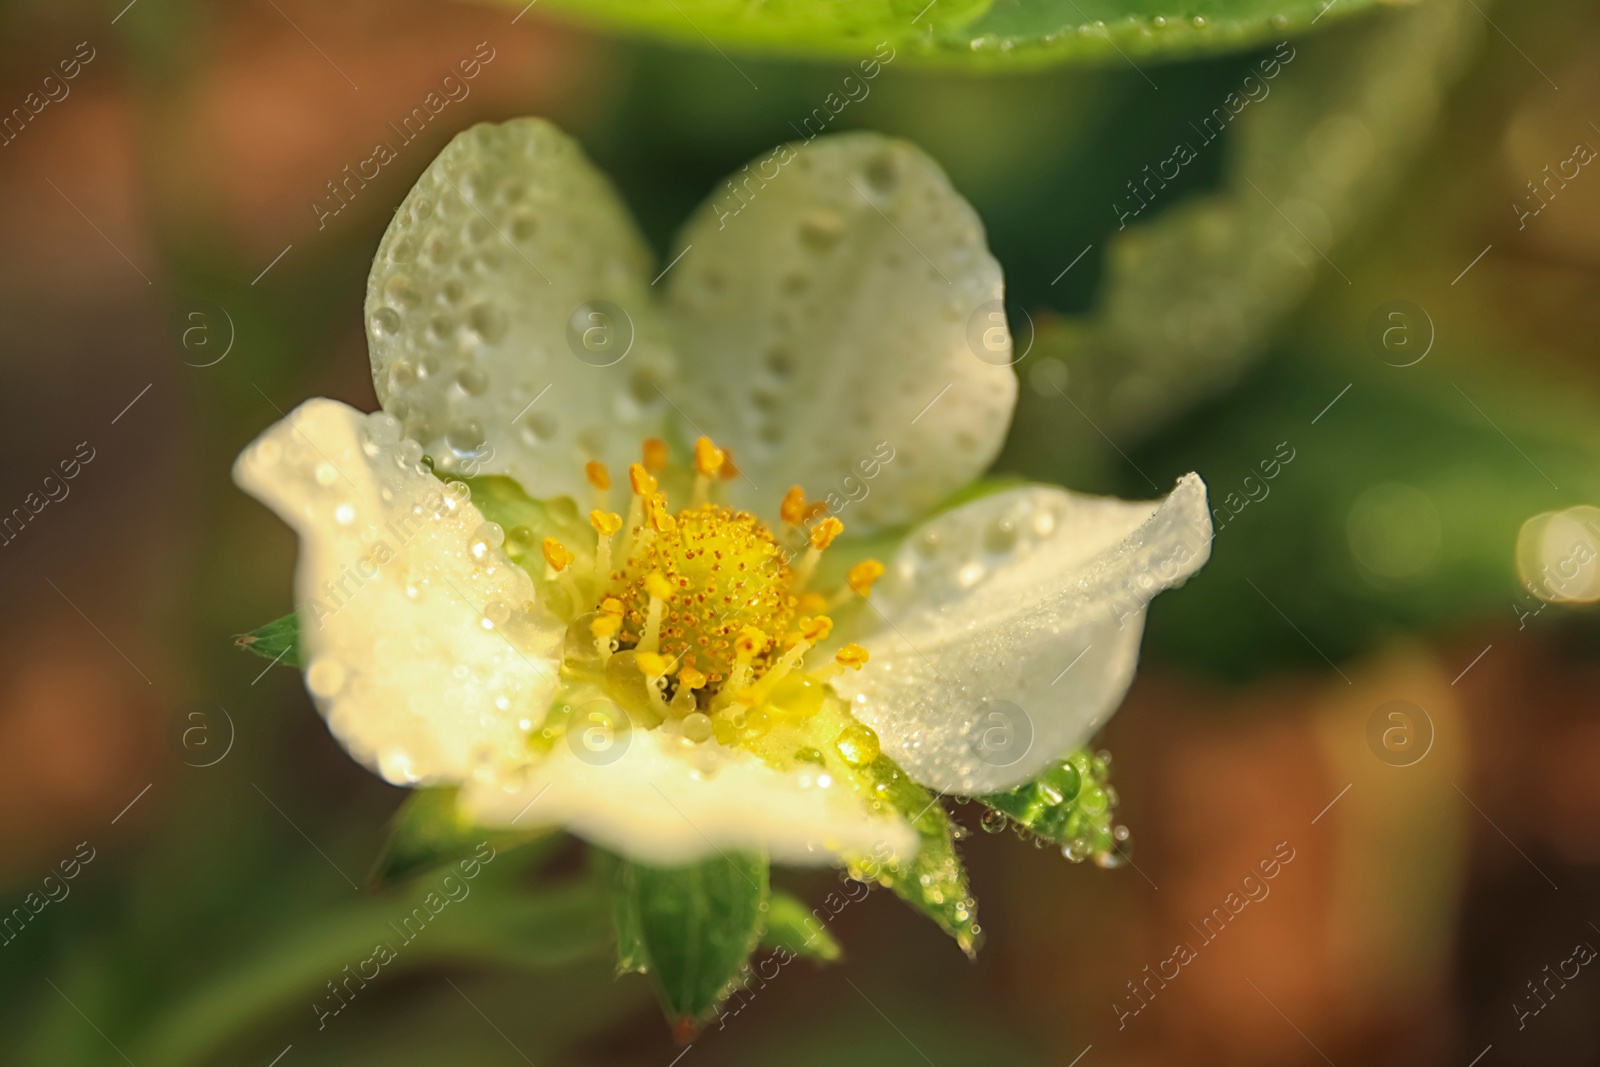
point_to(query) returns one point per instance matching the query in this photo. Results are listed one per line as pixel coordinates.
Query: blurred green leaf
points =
(970, 33)
(288, 970)
(1398, 512)
(278, 640)
(690, 928)
(428, 831)
(1195, 288)
(790, 926)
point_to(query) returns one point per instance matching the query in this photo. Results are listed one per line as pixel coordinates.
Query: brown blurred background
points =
(160, 214)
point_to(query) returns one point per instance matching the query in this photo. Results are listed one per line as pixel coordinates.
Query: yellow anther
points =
(793, 508)
(612, 606)
(661, 519)
(655, 453)
(606, 625)
(653, 664)
(823, 533)
(851, 655)
(598, 475)
(815, 629)
(690, 678)
(607, 523)
(863, 574)
(812, 604)
(657, 586)
(641, 480)
(750, 643)
(557, 555)
(708, 458)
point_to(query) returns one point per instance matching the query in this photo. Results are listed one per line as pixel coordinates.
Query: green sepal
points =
(691, 928)
(527, 522)
(631, 957)
(428, 831)
(791, 927)
(1069, 804)
(278, 640)
(934, 881)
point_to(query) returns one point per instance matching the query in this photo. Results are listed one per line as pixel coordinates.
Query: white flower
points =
(676, 695)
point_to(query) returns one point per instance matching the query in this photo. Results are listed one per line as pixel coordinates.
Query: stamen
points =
(793, 508)
(560, 559)
(660, 591)
(605, 627)
(750, 643)
(643, 485)
(811, 631)
(599, 477)
(811, 604)
(689, 679)
(606, 524)
(655, 669)
(655, 453)
(708, 461)
(661, 520)
(821, 536)
(858, 582)
(850, 657)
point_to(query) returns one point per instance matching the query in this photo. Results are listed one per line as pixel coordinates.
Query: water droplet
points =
(496, 613)
(821, 229)
(344, 514)
(1001, 535)
(993, 822)
(325, 677)
(326, 474)
(396, 767)
(488, 322)
(386, 320)
(858, 744)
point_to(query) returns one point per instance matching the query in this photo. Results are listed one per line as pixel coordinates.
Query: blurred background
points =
(1366, 313)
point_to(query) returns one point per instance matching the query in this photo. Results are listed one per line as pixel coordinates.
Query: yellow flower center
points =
(724, 571)
(705, 609)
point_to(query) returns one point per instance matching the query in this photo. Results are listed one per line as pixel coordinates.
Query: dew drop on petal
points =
(325, 677)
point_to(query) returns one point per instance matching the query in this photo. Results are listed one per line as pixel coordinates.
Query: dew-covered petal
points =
(1007, 631)
(657, 799)
(424, 649)
(840, 318)
(508, 313)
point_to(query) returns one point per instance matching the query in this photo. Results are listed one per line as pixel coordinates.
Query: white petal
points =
(1010, 627)
(820, 320)
(658, 800)
(394, 587)
(482, 295)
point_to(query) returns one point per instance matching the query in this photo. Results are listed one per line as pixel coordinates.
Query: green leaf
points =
(1070, 804)
(969, 33)
(691, 928)
(278, 640)
(935, 880)
(791, 927)
(428, 831)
